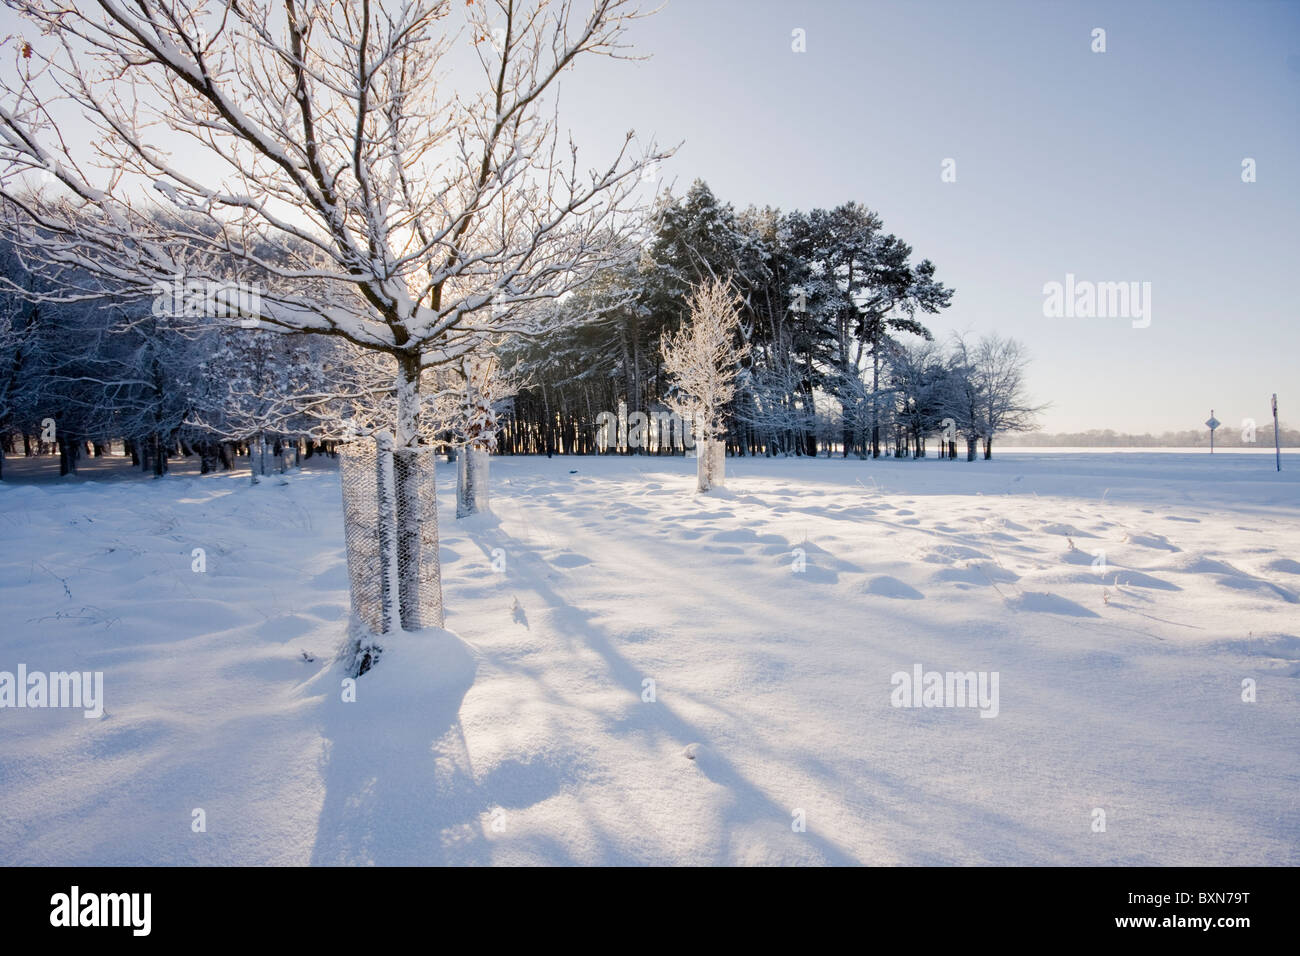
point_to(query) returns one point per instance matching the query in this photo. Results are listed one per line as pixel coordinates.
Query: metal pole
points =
(1277, 440)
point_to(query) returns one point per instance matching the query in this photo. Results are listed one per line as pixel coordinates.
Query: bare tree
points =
(770, 407)
(702, 358)
(963, 402)
(999, 374)
(365, 196)
(919, 386)
(18, 333)
(256, 385)
(484, 386)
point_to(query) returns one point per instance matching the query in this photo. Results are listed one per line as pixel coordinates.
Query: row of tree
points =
(82, 370)
(832, 351)
(835, 361)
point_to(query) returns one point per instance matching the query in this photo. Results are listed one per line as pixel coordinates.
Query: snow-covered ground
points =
(524, 735)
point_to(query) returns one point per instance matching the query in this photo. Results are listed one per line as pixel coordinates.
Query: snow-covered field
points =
(527, 737)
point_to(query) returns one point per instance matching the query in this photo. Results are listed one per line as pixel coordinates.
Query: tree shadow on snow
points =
(748, 812)
(399, 789)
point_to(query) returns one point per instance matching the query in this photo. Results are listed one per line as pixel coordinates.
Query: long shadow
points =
(399, 788)
(986, 829)
(879, 791)
(751, 805)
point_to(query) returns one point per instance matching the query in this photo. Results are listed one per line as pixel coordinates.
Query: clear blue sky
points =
(1115, 166)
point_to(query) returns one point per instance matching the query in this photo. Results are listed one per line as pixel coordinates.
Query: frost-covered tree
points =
(825, 295)
(999, 372)
(257, 387)
(475, 423)
(773, 410)
(837, 247)
(702, 358)
(920, 388)
(365, 195)
(91, 365)
(18, 318)
(962, 401)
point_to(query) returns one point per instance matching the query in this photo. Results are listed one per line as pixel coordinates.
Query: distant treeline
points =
(1225, 436)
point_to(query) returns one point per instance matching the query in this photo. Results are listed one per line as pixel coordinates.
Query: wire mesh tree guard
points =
(390, 526)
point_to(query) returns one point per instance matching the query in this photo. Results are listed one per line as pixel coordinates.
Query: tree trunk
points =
(472, 482)
(472, 469)
(970, 449)
(988, 447)
(411, 512)
(710, 464)
(68, 454)
(389, 569)
(257, 458)
(875, 404)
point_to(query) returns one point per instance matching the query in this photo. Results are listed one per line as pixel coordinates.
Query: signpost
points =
(1212, 423)
(1277, 441)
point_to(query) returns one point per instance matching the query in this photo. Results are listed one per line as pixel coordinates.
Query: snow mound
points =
(885, 585)
(1047, 603)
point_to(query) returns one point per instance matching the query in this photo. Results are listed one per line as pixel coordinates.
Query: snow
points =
(528, 732)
